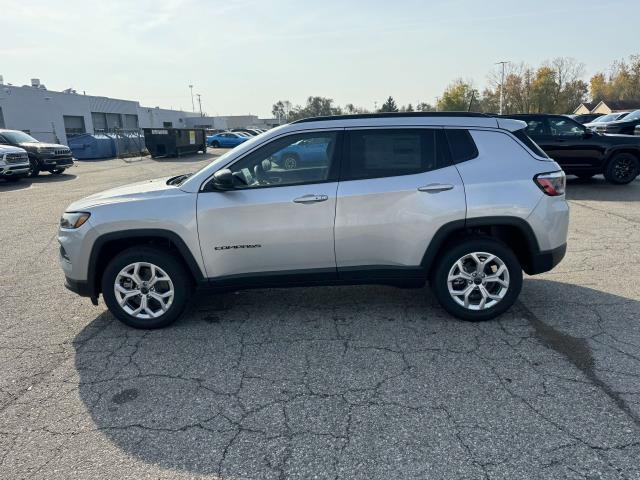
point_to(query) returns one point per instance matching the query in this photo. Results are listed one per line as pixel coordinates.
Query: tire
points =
(622, 169)
(215, 145)
(34, 168)
(505, 296)
(57, 171)
(13, 178)
(165, 264)
(289, 162)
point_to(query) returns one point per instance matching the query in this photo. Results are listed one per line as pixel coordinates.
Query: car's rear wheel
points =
(623, 168)
(477, 279)
(215, 145)
(146, 287)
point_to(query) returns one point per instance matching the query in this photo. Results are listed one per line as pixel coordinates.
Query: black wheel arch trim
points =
(174, 238)
(447, 229)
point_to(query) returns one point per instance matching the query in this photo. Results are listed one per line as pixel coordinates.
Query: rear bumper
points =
(544, 261)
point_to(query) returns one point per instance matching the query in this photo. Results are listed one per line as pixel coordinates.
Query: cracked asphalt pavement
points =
(363, 382)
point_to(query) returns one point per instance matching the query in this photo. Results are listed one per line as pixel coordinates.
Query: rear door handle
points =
(311, 198)
(435, 188)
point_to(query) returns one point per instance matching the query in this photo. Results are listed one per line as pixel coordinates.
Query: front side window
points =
(536, 127)
(292, 160)
(389, 153)
(565, 127)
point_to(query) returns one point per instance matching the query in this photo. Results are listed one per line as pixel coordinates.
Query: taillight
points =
(552, 183)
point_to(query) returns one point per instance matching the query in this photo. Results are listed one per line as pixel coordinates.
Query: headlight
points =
(73, 220)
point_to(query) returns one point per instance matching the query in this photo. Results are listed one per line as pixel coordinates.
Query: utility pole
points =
(193, 107)
(503, 63)
(199, 103)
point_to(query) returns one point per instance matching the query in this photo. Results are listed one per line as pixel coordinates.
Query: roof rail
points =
(391, 115)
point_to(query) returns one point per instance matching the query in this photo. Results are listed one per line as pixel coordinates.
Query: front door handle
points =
(311, 198)
(435, 188)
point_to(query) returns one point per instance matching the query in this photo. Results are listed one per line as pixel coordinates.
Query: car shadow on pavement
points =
(363, 382)
(597, 188)
(28, 182)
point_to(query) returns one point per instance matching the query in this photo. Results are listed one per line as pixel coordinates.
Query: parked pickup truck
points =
(14, 163)
(50, 157)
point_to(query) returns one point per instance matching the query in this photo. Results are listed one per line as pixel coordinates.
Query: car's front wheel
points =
(477, 279)
(57, 171)
(623, 168)
(34, 167)
(215, 145)
(146, 287)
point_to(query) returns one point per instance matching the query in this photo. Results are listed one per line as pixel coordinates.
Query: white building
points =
(50, 116)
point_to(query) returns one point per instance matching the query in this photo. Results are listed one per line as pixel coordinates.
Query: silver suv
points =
(465, 201)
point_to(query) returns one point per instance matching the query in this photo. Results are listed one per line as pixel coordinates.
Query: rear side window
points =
(461, 145)
(389, 153)
(531, 145)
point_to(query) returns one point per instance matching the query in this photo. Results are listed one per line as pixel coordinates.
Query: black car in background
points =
(585, 117)
(50, 157)
(624, 126)
(583, 152)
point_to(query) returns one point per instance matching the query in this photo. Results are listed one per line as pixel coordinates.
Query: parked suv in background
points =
(583, 152)
(49, 157)
(14, 163)
(611, 117)
(465, 201)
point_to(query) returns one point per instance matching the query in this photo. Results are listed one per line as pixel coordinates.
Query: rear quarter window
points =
(530, 144)
(461, 145)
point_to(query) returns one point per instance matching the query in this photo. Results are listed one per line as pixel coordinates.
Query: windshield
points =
(633, 116)
(18, 137)
(606, 118)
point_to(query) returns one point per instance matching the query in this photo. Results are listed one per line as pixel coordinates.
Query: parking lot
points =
(364, 382)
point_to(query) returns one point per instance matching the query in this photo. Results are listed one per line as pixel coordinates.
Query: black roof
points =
(391, 115)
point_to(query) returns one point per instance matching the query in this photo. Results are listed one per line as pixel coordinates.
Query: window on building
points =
(114, 121)
(1, 119)
(99, 122)
(167, 124)
(130, 121)
(73, 125)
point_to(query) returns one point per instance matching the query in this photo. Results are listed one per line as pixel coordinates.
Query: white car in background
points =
(14, 163)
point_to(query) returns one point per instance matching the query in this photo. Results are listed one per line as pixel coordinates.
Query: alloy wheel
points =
(624, 169)
(478, 280)
(143, 290)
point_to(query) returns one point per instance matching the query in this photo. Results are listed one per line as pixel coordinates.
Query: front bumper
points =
(57, 162)
(544, 261)
(13, 170)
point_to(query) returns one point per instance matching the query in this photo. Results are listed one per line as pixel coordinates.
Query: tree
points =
(408, 108)
(281, 110)
(389, 106)
(622, 82)
(315, 107)
(456, 97)
(425, 107)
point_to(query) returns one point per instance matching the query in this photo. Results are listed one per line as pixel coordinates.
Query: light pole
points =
(193, 107)
(199, 103)
(503, 63)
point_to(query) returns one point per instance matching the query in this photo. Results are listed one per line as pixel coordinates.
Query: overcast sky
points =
(243, 55)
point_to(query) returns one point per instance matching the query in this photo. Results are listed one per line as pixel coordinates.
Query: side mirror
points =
(588, 134)
(223, 180)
